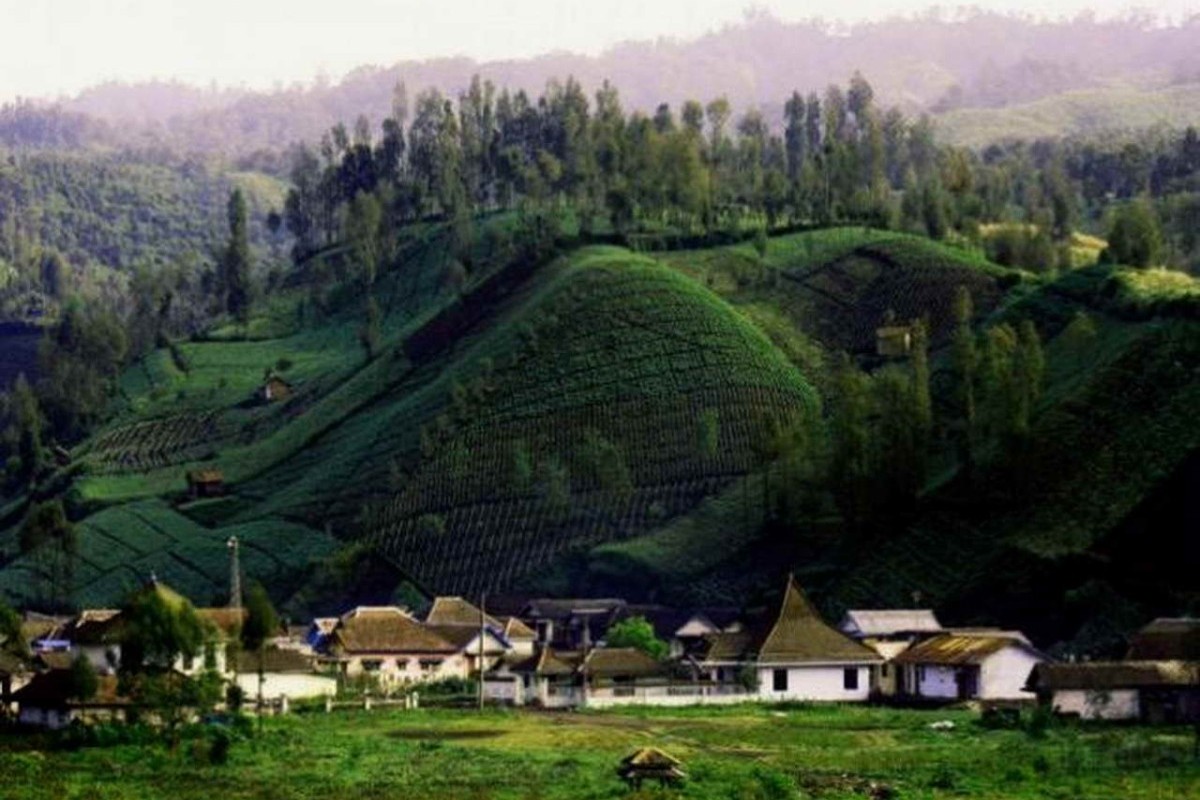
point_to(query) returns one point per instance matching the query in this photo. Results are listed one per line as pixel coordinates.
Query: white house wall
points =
(294, 686)
(1003, 674)
(1093, 704)
(821, 683)
(408, 669)
(936, 681)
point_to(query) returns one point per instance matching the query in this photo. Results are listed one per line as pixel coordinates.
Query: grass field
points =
(752, 753)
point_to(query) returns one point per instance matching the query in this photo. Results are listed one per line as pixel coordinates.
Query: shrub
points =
(218, 750)
(944, 778)
(235, 695)
(1040, 720)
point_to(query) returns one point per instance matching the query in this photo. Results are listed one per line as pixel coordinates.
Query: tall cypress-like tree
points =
(964, 359)
(235, 277)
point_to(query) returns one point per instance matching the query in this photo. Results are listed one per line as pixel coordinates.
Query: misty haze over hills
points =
(985, 60)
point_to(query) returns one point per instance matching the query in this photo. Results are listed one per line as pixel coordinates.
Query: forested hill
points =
(982, 60)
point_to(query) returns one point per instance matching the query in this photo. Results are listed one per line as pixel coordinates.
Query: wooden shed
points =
(274, 389)
(206, 483)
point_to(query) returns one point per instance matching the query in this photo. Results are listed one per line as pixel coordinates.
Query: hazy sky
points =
(52, 47)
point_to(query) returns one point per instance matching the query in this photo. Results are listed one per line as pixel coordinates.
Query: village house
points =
(685, 631)
(889, 632)
(1152, 691)
(1167, 639)
(546, 679)
(893, 341)
(96, 635)
(205, 483)
(14, 673)
(572, 623)
(46, 701)
(792, 655)
(274, 388)
(977, 664)
(386, 643)
(287, 675)
(604, 676)
(1158, 682)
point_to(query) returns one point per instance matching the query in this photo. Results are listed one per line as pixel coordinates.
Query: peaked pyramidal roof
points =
(800, 635)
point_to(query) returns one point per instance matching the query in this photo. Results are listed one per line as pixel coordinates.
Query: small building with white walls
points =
(1153, 691)
(794, 655)
(889, 632)
(969, 665)
(285, 674)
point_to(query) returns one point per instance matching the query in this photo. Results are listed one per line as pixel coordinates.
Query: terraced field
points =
(598, 423)
(120, 547)
(623, 355)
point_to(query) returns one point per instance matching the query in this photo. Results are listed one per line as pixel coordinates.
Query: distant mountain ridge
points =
(986, 60)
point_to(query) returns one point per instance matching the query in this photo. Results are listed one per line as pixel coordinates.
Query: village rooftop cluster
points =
(553, 653)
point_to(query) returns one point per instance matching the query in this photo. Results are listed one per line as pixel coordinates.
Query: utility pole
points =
(235, 574)
(482, 631)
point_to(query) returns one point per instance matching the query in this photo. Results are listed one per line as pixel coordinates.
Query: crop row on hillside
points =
(627, 364)
(120, 548)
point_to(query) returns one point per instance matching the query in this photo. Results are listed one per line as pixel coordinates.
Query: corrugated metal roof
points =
(958, 648)
(886, 622)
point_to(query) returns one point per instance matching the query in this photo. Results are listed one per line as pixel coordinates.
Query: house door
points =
(968, 683)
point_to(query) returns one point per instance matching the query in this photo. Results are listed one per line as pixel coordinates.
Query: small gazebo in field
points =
(650, 763)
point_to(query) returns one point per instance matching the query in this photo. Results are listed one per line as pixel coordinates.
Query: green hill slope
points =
(602, 422)
(1083, 112)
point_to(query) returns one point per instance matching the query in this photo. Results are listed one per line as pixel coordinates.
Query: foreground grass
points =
(755, 752)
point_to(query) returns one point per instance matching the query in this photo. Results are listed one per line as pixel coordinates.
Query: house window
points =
(921, 673)
(850, 679)
(779, 680)
(371, 665)
(883, 670)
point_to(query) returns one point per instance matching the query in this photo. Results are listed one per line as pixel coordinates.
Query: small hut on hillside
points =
(274, 389)
(893, 341)
(205, 483)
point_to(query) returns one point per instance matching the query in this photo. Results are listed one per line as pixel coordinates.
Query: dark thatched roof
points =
(799, 635)
(384, 630)
(274, 659)
(463, 635)
(621, 662)
(515, 629)
(11, 665)
(796, 634)
(1167, 639)
(1108, 675)
(52, 689)
(205, 476)
(95, 626)
(457, 611)
(650, 757)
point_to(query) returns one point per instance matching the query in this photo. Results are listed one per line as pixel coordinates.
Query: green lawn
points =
(753, 752)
